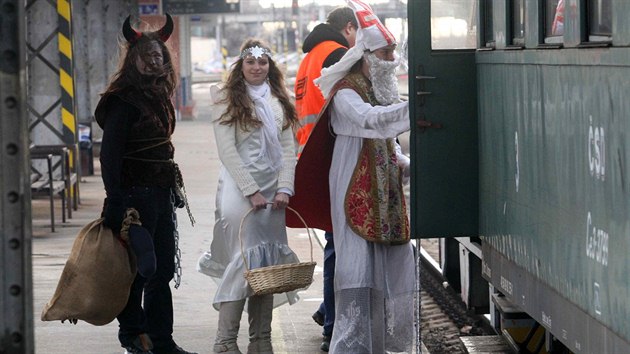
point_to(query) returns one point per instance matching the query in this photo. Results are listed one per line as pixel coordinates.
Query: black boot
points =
(140, 344)
(174, 349)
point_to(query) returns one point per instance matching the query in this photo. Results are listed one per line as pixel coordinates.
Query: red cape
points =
(312, 195)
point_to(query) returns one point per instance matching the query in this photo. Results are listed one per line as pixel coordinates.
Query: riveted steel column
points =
(16, 290)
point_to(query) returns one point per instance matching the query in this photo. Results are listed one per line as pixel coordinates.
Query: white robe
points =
(264, 237)
(374, 283)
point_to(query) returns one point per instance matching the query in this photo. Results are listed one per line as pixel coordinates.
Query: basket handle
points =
(240, 232)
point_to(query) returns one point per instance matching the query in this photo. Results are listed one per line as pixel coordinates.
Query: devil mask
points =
(132, 36)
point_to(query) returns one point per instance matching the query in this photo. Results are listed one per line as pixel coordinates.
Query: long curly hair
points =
(240, 106)
(158, 85)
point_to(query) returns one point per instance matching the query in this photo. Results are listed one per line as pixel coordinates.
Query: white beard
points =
(384, 80)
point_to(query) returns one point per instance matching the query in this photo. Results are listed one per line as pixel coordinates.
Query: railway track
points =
(444, 317)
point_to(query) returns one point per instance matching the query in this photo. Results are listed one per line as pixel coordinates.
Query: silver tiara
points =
(256, 52)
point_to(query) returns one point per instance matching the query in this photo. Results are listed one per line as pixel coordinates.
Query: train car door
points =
(443, 101)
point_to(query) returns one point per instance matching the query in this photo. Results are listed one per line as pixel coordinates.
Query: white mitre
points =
(371, 35)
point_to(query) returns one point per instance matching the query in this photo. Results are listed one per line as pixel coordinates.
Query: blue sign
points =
(149, 9)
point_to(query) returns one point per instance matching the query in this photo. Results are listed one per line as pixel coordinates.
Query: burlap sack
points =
(95, 282)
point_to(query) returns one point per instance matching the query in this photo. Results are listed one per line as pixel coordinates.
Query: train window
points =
(518, 22)
(599, 20)
(488, 24)
(453, 24)
(554, 18)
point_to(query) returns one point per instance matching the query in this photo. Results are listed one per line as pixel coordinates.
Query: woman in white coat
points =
(255, 141)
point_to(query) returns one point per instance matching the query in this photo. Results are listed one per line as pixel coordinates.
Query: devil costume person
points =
(138, 119)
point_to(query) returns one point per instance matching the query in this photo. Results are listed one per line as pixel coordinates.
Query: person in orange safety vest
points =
(324, 46)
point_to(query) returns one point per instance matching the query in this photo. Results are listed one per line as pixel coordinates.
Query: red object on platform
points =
(312, 195)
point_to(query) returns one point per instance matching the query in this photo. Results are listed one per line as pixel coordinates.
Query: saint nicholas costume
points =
(354, 143)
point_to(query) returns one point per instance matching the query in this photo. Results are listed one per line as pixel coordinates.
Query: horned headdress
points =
(132, 36)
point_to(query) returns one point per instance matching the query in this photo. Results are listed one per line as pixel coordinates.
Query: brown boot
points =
(260, 309)
(230, 313)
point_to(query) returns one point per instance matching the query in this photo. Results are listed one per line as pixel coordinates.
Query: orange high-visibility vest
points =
(308, 98)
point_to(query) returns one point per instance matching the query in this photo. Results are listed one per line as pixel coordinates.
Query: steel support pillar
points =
(16, 289)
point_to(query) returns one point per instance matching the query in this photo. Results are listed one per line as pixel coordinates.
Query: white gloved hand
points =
(405, 165)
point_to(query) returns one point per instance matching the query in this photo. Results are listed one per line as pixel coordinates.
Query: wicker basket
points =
(279, 278)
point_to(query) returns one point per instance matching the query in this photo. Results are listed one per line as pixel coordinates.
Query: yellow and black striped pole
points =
(66, 73)
(224, 53)
(66, 81)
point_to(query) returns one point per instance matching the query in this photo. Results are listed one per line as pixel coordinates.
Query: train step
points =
(486, 344)
(507, 309)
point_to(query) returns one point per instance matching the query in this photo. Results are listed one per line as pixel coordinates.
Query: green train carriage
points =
(520, 121)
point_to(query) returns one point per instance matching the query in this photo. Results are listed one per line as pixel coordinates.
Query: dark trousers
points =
(156, 318)
(328, 306)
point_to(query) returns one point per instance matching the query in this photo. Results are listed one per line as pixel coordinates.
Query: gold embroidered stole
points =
(374, 202)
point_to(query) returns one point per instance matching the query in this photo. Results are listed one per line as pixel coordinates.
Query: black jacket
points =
(321, 33)
(132, 127)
